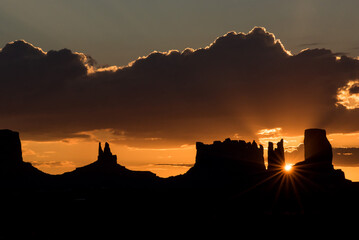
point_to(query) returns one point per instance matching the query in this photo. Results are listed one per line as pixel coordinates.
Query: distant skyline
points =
(154, 77)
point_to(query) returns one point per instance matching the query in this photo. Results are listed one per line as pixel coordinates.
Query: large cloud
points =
(237, 85)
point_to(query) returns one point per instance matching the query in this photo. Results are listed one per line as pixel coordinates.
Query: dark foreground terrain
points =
(229, 187)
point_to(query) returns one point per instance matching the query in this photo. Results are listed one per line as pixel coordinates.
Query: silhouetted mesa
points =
(276, 158)
(11, 162)
(318, 157)
(10, 148)
(229, 158)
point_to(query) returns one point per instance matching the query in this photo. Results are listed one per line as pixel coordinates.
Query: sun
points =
(288, 167)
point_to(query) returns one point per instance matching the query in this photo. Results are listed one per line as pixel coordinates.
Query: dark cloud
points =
(237, 85)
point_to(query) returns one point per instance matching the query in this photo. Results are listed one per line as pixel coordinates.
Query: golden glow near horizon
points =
(57, 157)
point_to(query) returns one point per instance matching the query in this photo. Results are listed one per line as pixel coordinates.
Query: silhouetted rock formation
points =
(10, 148)
(12, 165)
(106, 163)
(228, 160)
(105, 172)
(317, 149)
(318, 158)
(276, 159)
(105, 156)
(228, 180)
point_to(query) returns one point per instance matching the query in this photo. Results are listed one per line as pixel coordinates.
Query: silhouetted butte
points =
(12, 165)
(318, 158)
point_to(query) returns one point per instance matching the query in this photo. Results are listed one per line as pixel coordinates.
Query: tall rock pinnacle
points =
(105, 156)
(276, 159)
(107, 150)
(100, 151)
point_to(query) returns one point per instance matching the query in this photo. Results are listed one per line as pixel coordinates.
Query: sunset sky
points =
(154, 77)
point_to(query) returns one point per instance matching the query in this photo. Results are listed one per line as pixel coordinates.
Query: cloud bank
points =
(240, 83)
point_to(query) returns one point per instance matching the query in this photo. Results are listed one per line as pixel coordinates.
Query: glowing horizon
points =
(57, 157)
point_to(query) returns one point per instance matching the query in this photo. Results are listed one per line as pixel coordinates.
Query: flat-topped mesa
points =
(230, 156)
(12, 165)
(276, 160)
(10, 148)
(105, 156)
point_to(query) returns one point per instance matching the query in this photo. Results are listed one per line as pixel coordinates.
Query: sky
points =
(154, 77)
